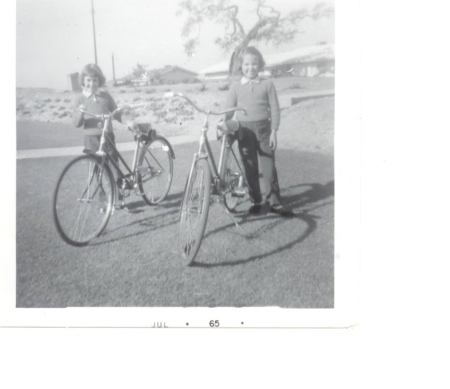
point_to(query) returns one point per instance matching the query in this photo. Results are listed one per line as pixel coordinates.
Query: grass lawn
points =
(270, 261)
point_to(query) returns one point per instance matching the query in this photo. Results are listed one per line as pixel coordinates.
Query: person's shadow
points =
(316, 193)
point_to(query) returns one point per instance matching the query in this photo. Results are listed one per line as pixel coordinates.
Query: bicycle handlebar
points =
(118, 109)
(176, 94)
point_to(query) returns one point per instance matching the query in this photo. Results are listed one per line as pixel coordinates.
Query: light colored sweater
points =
(99, 103)
(258, 97)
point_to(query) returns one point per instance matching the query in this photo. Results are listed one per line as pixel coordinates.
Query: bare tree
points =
(139, 70)
(270, 27)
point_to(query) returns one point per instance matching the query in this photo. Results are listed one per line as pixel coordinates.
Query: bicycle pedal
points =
(119, 206)
(239, 193)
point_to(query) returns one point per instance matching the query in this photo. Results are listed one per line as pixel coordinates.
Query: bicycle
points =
(226, 182)
(85, 194)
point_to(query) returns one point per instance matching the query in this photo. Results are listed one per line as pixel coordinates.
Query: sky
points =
(55, 37)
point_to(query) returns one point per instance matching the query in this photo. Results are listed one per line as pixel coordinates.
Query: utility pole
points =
(93, 25)
(114, 72)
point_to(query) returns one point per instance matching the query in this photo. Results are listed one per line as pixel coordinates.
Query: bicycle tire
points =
(83, 200)
(194, 211)
(154, 171)
(231, 177)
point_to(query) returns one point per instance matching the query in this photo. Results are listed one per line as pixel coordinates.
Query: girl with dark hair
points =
(96, 101)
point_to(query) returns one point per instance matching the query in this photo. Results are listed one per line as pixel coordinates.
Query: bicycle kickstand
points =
(230, 215)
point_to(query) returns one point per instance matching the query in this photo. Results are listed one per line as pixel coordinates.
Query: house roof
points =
(168, 69)
(160, 71)
(300, 55)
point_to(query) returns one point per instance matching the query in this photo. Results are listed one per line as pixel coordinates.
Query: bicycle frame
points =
(205, 152)
(107, 156)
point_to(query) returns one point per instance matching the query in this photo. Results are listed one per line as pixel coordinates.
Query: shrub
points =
(224, 87)
(133, 113)
(47, 100)
(296, 86)
(67, 100)
(202, 88)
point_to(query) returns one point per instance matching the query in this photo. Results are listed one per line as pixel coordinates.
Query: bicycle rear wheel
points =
(232, 174)
(83, 200)
(194, 210)
(155, 170)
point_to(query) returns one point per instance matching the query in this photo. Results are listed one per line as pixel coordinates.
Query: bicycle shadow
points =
(311, 197)
(311, 226)
(170, 201)
(152, 223)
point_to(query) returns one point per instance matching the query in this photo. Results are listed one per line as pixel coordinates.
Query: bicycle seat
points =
(228, 126)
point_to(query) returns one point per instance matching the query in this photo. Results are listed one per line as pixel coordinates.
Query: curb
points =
(78, 150)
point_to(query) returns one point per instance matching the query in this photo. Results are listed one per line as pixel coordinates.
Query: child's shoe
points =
(280, 210)
(254, 209)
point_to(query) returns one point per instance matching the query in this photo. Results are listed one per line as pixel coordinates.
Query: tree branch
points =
(270, 27)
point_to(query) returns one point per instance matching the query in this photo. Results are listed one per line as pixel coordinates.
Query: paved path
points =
(78, 150)
(289, 100)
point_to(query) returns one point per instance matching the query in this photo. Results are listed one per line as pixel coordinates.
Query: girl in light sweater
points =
(96, 101)
(258, 130)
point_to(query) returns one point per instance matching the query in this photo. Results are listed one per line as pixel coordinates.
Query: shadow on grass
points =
(150, 224)
(170, 201)
(308, 219)
(312, 196)
(316, 193)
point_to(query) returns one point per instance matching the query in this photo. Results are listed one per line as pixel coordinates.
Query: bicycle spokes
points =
(82, 202)
(154, 171)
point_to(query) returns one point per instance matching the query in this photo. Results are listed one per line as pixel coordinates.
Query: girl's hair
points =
(91, 70)
(253, 51)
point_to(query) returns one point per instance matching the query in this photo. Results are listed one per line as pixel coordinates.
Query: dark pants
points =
(254, 141)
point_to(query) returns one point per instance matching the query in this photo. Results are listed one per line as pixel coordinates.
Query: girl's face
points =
(91, 84)
(250, 66)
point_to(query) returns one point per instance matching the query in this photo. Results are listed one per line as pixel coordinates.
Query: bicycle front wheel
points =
(155, 170)
(194, 210)
(83, 200)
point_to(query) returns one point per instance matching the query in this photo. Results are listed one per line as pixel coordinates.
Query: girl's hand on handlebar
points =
(131, 125)
(80, 108)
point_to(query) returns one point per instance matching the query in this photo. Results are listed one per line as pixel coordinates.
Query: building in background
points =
(166, 75)
(312, 61)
